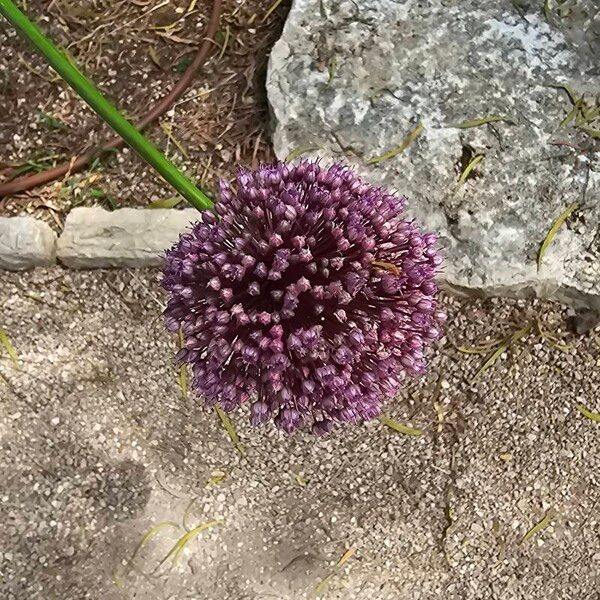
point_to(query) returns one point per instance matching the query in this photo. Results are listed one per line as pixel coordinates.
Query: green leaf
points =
(183, 64)
(439, 411)
(151, 533)
(554, 229)
(51, 122)
(483, 121)
(12, 353)
(469, 168)
(166, 203)
(183, 380)
(404, 429)
(408, 140)
(101, 154)
(520, 5)
(230, 429)
(540, 526)
(589, 114)
(168, 131)
(322, 10)
(98, 194)
(588, 414)
(23, 169)
(571, 115)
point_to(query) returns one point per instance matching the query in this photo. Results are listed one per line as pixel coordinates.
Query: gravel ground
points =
(99, 446)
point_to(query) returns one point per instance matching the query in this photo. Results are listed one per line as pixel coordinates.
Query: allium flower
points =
(307, 294)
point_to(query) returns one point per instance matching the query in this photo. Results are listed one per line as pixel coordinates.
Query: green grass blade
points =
(271, 10)
(595, 133)
(569, 90)
(182, 375)
(225, 42)
(216, 478)
(151, 533)
(552, 340)
(230, 429)
(404, 429)
(538, 527)
(331, 69)
(50, 121)
(408, 140)
(479, 349)
(483, 121)
(588, 414)
(175, 552)
(186, 513)
(182, 379)
(503, 347)
(554, 230)
(346, 556)
(298, 152)
(490, 360)
(322, 585)
(12, 353)
(301, 480)
(570, 116)
(469, 169)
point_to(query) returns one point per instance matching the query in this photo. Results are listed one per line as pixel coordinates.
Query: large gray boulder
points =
(354, 77)
(26, 242)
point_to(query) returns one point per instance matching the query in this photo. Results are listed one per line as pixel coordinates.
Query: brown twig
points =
(78, 163)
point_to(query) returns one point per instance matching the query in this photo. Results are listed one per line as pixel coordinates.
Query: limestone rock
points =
(354, 77)
(128, 237)
(25, 242)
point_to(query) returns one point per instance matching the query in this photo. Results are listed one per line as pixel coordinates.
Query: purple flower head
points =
(306, 293)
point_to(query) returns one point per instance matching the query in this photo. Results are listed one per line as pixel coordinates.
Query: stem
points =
(86, 89)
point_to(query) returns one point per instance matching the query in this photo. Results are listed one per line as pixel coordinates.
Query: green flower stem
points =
(86, 89)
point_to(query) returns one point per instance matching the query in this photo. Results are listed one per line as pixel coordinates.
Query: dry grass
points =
(135, 51)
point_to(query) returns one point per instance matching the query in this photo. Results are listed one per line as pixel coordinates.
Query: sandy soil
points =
(99, 447)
